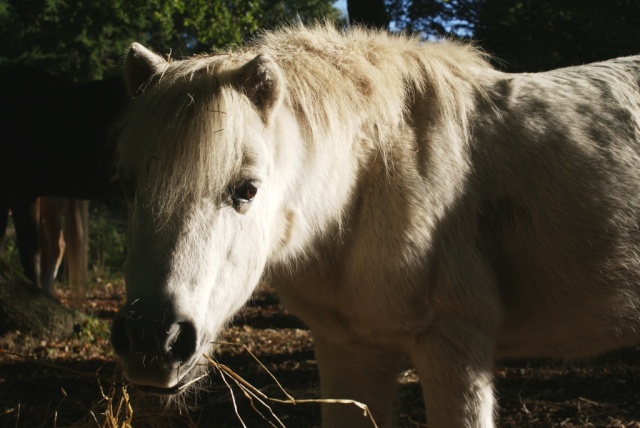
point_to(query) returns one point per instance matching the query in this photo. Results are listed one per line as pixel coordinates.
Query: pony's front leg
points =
(356, 371)
(454, 362)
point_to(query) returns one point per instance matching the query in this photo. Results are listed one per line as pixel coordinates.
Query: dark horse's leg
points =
(25, 218)
(4, 218)
(52, 242)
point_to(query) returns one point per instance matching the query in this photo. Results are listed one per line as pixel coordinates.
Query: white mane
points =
(342, 87)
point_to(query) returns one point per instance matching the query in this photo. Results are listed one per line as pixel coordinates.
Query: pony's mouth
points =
(163, 392)
(185, 376)
(180, 387)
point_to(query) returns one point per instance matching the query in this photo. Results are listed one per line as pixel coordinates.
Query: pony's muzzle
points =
(156, 352)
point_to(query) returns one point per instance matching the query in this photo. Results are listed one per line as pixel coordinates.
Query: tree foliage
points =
(535, 35)
(277, 12)
(83, 39)
(435, 18)
(529, 35)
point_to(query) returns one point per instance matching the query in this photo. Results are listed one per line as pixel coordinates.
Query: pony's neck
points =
(337, 144)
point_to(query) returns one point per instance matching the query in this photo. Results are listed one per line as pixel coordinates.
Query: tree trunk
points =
(29, 309)
(369, 13)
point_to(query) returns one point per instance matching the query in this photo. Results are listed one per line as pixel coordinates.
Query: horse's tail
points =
(76, 235)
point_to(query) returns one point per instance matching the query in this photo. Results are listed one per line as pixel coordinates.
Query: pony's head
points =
(198, 157)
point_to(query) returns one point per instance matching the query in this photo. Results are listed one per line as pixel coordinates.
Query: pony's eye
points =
(243, 193)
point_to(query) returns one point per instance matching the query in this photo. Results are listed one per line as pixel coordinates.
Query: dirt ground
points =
(76, 383)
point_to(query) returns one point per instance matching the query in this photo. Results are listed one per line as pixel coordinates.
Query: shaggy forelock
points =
(176, 141)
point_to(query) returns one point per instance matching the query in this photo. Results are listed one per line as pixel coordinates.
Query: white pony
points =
(406, 199)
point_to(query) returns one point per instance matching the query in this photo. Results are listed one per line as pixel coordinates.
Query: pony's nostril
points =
(119, 338)
(155, 349)
(183, 342)
(176, 343)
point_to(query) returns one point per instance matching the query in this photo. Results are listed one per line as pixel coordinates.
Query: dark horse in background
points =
(54, 141)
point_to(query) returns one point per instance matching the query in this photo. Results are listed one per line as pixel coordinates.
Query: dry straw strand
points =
(260, 396)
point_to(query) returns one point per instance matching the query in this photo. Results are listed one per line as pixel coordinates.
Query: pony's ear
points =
(139, 67)
(263, 83)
